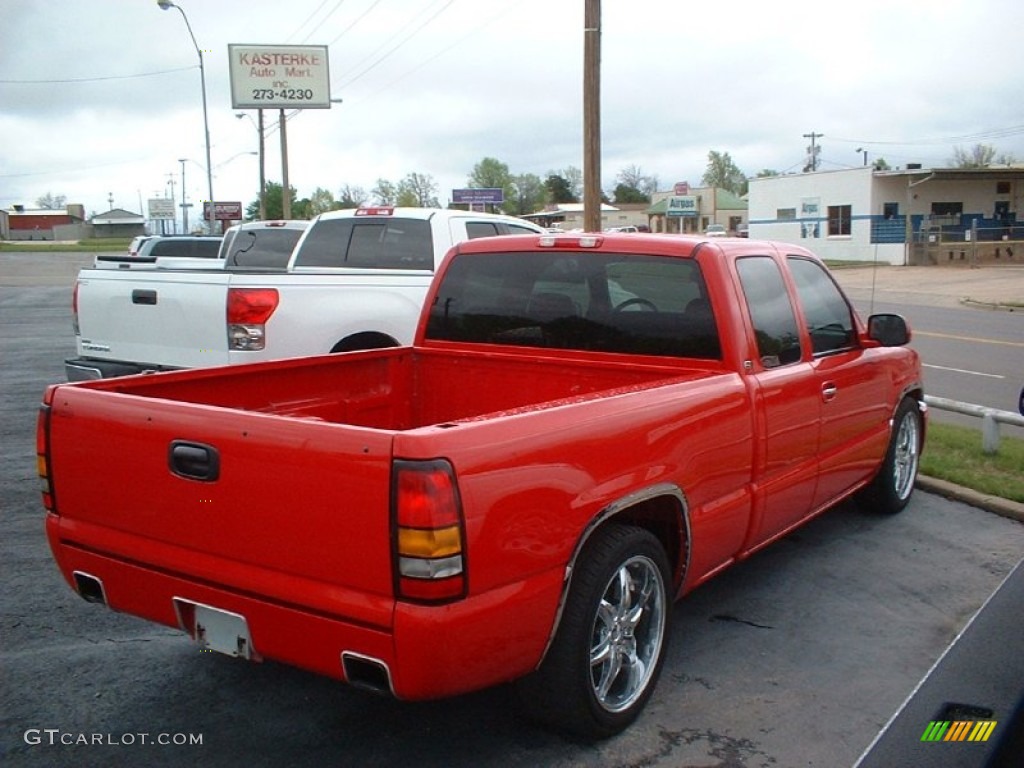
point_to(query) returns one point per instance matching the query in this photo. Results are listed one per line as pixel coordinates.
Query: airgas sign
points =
(681, 205)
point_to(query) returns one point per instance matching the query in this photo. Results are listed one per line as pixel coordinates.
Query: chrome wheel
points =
(628, 634)
(907, 452)
(606, 656)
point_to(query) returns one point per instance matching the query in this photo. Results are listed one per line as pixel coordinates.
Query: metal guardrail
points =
(991, 418)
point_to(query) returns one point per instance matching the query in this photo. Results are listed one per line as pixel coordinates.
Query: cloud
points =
(102, 99)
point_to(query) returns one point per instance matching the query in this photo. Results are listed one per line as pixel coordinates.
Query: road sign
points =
(161, 208)
(279, 77)
(224, 211)
(495, 196)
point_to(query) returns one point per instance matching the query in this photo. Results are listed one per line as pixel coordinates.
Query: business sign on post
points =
(161, 208)
(494, 196)
(279, 77)
(681, 205)
(223, 211)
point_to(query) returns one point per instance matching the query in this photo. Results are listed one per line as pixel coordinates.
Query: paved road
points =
(796, 657)
(970, 352)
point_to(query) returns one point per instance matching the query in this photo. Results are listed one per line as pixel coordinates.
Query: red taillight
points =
(376, 210)
(429, 533)
(251, 305)
(247, 313)
(43, 455)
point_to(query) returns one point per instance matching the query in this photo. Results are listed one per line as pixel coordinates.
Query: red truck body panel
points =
(294, 528)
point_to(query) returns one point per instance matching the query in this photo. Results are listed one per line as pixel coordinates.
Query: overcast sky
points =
(100, 100)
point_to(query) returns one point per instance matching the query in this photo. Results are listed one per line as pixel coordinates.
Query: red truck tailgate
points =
(292, 509)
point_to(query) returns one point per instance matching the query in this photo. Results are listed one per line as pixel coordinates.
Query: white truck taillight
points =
(247, 313)
(429, 533)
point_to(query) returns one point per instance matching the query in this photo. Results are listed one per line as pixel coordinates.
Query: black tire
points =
(892, 487)
(609, 649)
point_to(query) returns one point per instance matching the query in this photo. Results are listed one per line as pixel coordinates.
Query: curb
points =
(995, 306)
(1014, 510)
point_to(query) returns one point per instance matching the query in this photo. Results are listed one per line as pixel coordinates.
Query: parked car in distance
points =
(716, 230)
(743, 231)
(136, 243)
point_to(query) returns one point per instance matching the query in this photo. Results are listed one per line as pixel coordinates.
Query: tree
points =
(880, 164)
(574, 176)
(559, 189)
(274, 198)
(490, 173)
(627, 194)
(723, 172)
(979, 156)
(51, 201)
(767, 172)
(633, 180)
(529, 195)
(321, 200)
(418, 190)
(385, 193)
(351, 197)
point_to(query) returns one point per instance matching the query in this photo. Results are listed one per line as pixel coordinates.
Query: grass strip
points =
(953, 453)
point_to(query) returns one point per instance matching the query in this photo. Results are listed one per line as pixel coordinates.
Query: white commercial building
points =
(910, 216)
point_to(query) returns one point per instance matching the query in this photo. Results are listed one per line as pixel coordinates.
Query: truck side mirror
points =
(888, 330)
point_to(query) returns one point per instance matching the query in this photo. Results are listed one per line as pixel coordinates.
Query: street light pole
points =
(263, 175)
(164, 5)
(184, 209)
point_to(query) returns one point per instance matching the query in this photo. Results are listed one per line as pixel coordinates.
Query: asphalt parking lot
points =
(797, 657)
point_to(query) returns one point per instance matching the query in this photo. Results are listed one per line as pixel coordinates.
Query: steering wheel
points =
(636, 301)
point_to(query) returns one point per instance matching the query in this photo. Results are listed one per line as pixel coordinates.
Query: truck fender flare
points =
(619, 509)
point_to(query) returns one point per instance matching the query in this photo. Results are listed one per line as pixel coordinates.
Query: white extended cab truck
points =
(355, 280)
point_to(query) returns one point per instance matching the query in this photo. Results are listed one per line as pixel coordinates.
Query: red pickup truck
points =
(585, 428)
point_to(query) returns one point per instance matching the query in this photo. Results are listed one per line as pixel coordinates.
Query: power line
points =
(993, 133)
(366, 70)
(95, 79)
(310, 18)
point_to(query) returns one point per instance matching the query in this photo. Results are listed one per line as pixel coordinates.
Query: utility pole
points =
(814, 150)
(170, 183)
(592, 116)
(286, 196)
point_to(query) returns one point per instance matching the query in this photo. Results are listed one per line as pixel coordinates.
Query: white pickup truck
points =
(356, 279)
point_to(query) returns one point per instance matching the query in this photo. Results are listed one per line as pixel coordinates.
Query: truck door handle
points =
(143, 296)
(194, 461)
(829, 391)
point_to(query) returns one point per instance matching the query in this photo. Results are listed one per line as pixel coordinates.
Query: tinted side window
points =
(828, 316)
(477, 229)
(371, 243)
(517, 229)
(778, 338)
(176, 248)
(205, 249)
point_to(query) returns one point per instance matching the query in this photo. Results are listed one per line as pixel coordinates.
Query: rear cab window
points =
(368, 243)
(588, 301)
(265, 248)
